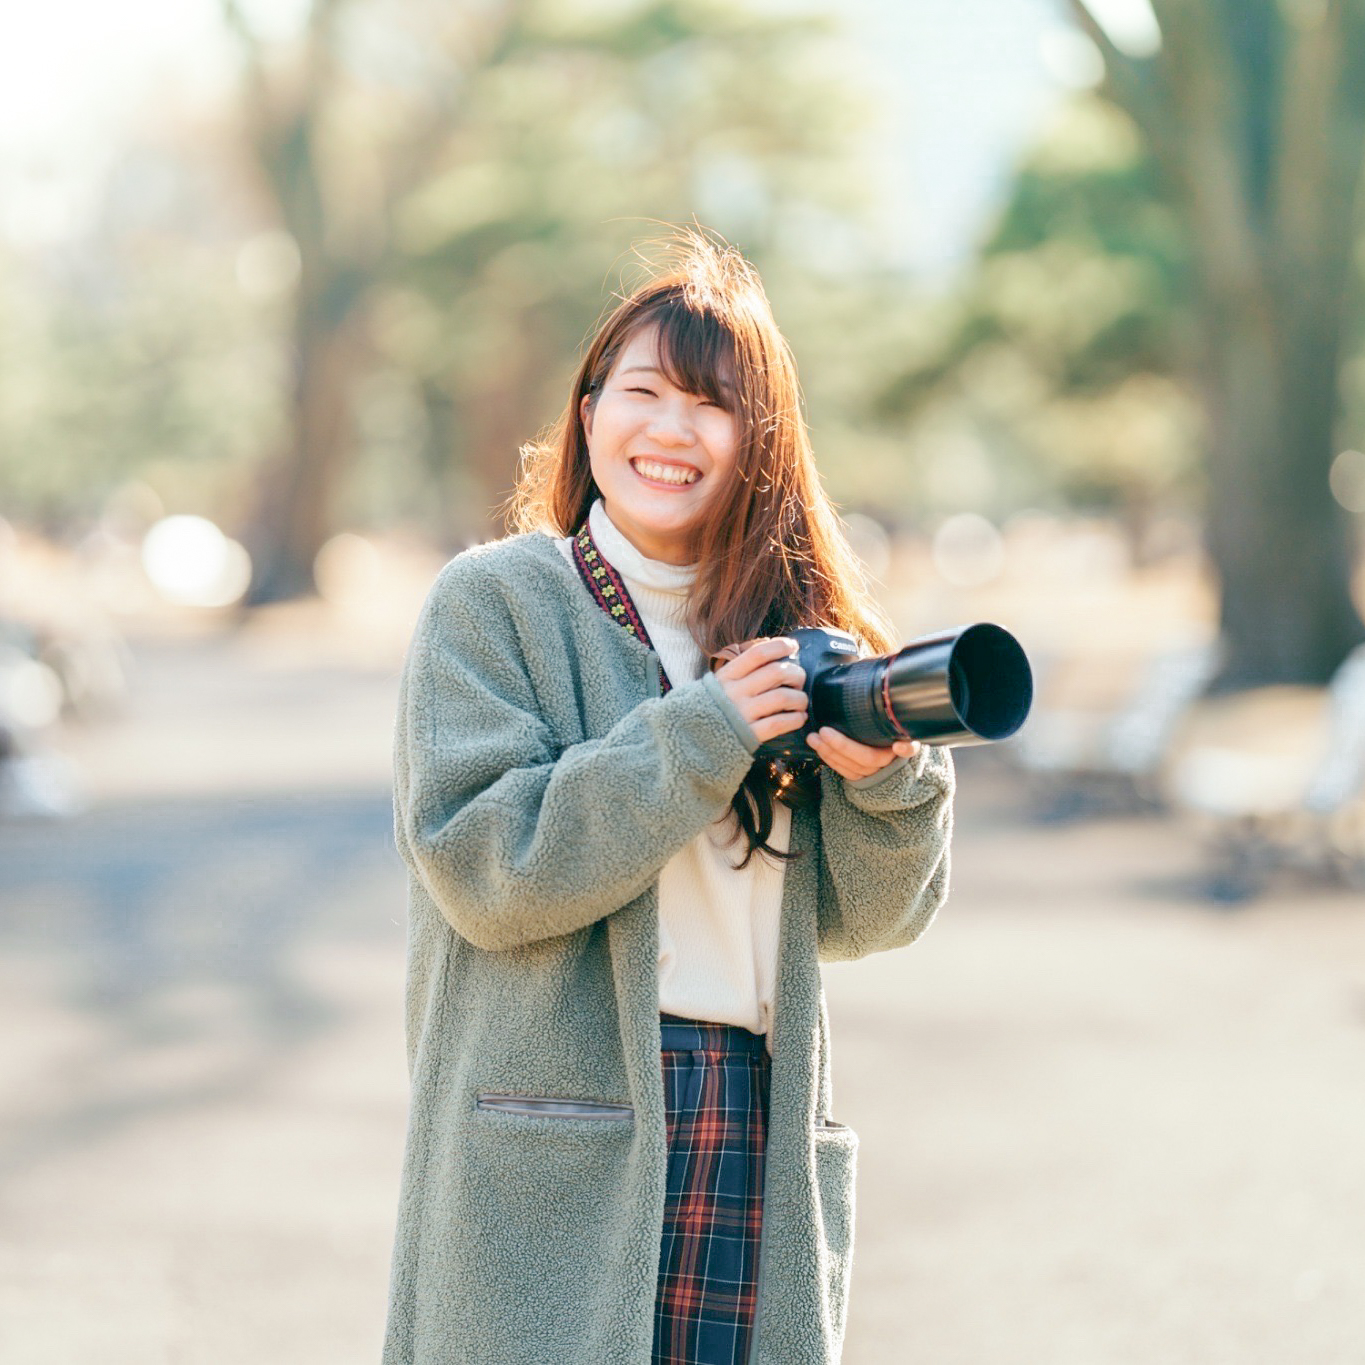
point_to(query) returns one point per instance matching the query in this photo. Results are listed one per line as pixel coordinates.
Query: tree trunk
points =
(298, 490)
(501, 417)
(1282, 547)
(1257, 122)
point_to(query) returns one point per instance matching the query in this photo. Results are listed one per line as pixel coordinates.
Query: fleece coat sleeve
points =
(515, 838)
(885, 842)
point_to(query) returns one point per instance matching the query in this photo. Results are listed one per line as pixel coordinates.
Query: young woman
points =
(620, 1147)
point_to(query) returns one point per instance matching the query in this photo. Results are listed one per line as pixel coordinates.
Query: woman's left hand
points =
(852, 760)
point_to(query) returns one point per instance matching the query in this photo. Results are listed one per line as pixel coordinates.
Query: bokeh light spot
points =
(347, 566)
(30, 691)
(191, 562)
(1071, 59)
(268, 265)
(1347, 480)
(968, 551)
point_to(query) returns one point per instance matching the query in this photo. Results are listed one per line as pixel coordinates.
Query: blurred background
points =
(1075, 288)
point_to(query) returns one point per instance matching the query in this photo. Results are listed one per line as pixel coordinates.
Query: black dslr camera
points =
(964, 686)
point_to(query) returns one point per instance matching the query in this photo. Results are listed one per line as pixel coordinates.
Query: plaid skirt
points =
(716, 1101)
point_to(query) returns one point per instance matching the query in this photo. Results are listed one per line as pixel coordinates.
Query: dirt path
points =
(1103, 1125)
(1101, 1122)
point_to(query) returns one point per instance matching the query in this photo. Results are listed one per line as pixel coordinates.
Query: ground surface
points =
(1102, 1121)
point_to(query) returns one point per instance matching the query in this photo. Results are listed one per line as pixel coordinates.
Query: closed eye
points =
(705, 402)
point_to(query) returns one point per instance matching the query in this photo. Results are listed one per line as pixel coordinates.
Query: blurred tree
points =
(288, 105)
(1217, 254)
(446, 174)
(136, 358)
(1060, 354)
(603, 130)
(1254, 113)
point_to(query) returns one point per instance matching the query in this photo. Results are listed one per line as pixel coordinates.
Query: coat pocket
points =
(530, 1221)
(836, 1152)
(547, 1107)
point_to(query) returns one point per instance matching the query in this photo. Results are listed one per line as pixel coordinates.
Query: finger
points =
(783, 673)
(755, 655)
(782, 723)
(753, 658)
(777, 699)
(838, 762)
(865, 755)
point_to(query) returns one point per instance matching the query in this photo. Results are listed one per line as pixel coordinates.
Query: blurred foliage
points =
(133, 360)
(391, 250)
(1163, 309)
(1062, 360)
(475, 200)
(586, 137)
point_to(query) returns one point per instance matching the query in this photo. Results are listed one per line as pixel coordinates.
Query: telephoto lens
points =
(970, 685)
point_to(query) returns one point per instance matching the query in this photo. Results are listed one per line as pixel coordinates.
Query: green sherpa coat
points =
(541, 782)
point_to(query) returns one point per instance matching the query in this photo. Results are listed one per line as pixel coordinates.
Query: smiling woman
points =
(616, 1032)
(658, 453)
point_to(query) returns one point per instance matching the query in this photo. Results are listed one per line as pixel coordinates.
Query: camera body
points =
(969, 685)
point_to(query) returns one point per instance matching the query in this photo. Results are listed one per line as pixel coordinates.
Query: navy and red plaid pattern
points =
(716, 1103)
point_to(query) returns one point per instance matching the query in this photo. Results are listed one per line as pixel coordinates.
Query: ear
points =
(585, 408)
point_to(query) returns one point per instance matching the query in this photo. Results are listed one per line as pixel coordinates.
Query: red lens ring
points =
(886, 704)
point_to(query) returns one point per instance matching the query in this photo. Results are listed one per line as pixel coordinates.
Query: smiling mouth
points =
(677, 474)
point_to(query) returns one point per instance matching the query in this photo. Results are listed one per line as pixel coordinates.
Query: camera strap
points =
(609, 591)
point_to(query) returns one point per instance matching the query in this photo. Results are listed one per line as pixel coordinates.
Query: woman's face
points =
(659, 454)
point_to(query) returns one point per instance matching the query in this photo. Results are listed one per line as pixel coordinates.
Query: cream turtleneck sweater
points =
(718, 923)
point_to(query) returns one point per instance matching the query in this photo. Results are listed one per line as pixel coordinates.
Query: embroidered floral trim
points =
(609, 591)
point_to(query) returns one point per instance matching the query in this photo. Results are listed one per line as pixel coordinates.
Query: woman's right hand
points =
(764, 682)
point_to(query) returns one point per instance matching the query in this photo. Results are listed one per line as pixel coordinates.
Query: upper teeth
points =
(669, 473)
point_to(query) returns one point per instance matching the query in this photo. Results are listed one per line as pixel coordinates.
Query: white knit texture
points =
(718, 924)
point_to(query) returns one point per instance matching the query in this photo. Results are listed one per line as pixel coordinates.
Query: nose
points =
(671, 424)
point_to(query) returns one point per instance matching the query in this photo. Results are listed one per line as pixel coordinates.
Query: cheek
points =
(723, 444)
(610, 427)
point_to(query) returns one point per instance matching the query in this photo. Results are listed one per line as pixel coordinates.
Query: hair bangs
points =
(696, 350)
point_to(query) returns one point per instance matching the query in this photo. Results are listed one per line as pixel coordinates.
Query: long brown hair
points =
(771, 553)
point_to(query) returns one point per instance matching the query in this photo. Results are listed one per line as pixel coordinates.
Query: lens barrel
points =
(971, 685)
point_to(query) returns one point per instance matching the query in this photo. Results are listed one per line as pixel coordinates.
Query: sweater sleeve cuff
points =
(873, 779)
(738, 723)
(903, 785)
